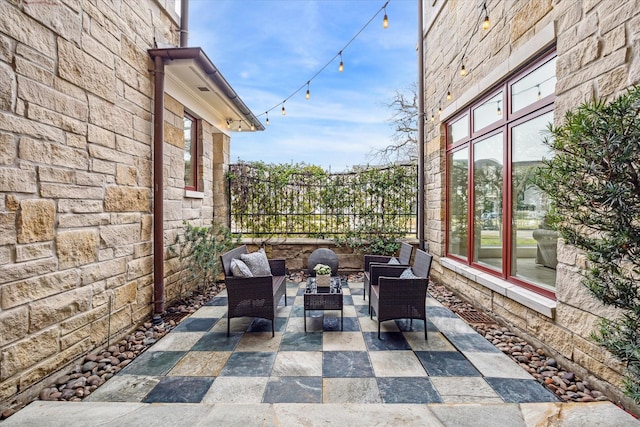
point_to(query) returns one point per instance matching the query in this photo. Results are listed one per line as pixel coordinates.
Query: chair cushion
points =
(393, 261)
(257, 263)
(240, 269)
(408, 274)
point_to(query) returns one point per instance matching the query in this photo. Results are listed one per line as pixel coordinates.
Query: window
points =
(190, 153)
(495, 213)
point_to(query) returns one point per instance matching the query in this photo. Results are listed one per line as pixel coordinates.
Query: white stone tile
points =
(343, 341)
(350, 390)
(177, 341)
(236, 390)
(497, 365)
(396, 364)
(298, 364)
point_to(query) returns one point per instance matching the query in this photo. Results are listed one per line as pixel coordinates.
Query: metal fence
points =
(267, 201)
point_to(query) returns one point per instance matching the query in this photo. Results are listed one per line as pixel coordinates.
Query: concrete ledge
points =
(190, 194)
(536, 302)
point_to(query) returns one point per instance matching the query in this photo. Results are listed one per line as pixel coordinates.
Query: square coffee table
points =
(329, 298)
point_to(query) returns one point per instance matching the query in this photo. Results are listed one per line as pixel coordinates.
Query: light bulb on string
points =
(539, 93)
(449, 96)
(385, 20)
(239, 126)
(433, 117)
(253, 127)
(284, 112)
(308, 94)
(499, 110)
(485, 23)
(439, 110)
(463, 71)
(229, 122)
(267, 121)
(341, 66)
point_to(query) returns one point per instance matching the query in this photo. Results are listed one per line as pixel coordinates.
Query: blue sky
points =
(267, 49)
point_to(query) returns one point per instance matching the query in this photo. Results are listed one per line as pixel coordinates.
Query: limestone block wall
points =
(598, 54)
(76, 178)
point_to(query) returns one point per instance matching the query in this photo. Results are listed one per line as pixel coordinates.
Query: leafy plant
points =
(198, 250)
(594, 183)
(322, 269)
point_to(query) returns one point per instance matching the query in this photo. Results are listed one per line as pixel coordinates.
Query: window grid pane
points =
(488, 112)
(190, 158)
(458, 202)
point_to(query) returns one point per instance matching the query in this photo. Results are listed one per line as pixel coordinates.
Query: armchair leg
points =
(378, 329)
(425, 328)
(228, 324)
(273, 327)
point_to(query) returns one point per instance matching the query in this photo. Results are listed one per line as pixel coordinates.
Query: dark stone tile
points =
(357, 291)
(407, 390)
(302, 341)
(350, 324)
(440, 312)
(217, 341)
(362, 310)
(293, 390)
(347, 300)
(290, 301)
(218, 301)
(387, 341)
(297, 311)
(513, 390)
(179, 390)
(196, 324)
(346, 364)
(153, 363)
(405, 325)
(249, 364)
(264, 325)
(446, 364)
(471, 342)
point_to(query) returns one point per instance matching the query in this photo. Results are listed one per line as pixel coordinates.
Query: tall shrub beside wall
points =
(594, 182)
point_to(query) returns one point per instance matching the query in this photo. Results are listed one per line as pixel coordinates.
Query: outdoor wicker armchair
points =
(404, 258)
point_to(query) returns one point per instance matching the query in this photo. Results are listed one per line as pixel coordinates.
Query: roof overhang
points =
(193, 80)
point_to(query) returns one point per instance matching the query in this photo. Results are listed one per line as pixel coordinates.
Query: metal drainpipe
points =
(421, 186)
(184, 23)
(158, 191)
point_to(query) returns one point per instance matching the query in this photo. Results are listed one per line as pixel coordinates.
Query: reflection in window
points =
(458, 202)
(535, 246)
(458, 130)
(534, 86)
(487, 185)
(488, 112)
(190, 157)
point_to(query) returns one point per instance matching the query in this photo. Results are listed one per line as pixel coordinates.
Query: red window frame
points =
(193, 185)
(507, 121)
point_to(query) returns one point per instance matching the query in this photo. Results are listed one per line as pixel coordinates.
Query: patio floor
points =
(196, 374)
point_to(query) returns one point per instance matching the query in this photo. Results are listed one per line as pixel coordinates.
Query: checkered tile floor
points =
(197, 362)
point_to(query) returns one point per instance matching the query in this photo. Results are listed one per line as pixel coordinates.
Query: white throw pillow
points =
(408, 274)
(257, 263)
(240, 269)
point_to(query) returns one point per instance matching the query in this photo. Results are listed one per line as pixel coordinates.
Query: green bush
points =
(594, 183)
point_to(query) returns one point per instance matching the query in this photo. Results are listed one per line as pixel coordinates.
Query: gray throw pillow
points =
(393, 261)
(257, 263)
(408, 274)
(240, 269)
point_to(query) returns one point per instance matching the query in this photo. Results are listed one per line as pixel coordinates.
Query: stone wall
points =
(598, 54)
(76, 178)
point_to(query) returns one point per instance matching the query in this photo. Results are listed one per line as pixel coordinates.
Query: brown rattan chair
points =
(404, 258)
(393, 297)
(253, 296)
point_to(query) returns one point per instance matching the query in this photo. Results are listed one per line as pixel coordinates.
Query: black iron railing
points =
(315, 203)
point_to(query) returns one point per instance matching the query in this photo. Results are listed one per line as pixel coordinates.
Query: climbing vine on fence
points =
(305, 200)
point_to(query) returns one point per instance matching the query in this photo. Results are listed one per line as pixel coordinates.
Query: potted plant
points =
(323, 275)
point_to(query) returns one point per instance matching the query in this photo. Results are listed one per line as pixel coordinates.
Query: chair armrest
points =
(278, 267)
(378, 270)
(368, 259)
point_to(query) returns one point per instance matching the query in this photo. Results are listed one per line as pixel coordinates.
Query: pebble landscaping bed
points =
(96, 368)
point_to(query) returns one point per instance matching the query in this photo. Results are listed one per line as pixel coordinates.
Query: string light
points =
(485, 23)
(385, 20)
(239, 126)
(439, 110)
(449, 96)
(499, 111)
(433, 117)
(229, 122)
(463, 71)
(539, 93)
(253, 127)
(340, 67)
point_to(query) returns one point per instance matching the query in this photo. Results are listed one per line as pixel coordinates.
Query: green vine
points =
(198, 250)
(594, 183)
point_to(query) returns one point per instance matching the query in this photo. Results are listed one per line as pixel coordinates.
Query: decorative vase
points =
(323, 280)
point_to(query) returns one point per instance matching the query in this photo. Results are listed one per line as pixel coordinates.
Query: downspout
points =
(184, 23)
(158, 190)
(421, 186)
